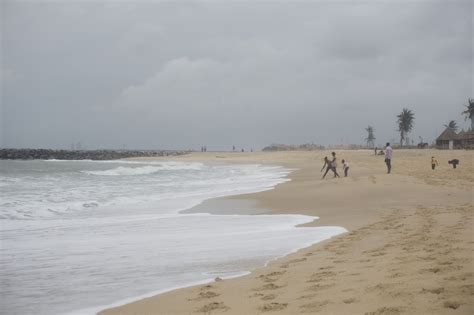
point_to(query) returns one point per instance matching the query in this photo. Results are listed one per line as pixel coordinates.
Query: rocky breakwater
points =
(48, 154)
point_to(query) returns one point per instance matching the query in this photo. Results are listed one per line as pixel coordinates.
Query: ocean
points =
(80, 236)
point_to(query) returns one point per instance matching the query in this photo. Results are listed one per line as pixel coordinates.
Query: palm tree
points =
(469, 112)
(452, 125)
(370, 137)
(405, 123)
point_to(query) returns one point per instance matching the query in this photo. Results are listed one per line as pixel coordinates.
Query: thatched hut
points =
(466, 139)
(449, 139)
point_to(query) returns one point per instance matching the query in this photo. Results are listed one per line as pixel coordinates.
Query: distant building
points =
(449, 139)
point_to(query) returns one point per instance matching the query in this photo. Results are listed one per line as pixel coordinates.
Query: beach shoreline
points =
(367, 198)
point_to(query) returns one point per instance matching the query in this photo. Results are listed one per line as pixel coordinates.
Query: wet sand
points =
(409, 249)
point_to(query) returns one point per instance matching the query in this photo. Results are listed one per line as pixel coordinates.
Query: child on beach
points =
(345, 167)
(434, 163)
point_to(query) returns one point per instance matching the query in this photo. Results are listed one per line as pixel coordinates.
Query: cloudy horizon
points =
(180, 75)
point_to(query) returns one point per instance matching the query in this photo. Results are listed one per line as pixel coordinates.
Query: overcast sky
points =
(178, 75)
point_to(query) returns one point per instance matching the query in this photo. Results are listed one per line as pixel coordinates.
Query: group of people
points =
(332, 165)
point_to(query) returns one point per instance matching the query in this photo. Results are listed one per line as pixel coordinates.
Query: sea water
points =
(78, 236)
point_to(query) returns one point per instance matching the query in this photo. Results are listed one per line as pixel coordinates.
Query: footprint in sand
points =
(349, 300)
(386, 310)
(270, 286)
(381, 287)
(433, 270)
(378, 254)
(207, 295)
(212, 307)
(206, 287)
(273, 307)
(292, 262)
(434, 291)
(268, 297)
(322, 275)
(307, 296)
(319, 287)
(396, 275)
(326, 267)
(339, 261)
(452, 304)
(314, 307)
(272, 276)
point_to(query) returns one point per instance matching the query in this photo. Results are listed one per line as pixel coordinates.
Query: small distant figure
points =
(388, 157)
(334, 164)
(242, 150)
(251, 149)
(233, 148)
(454, 162)
(375, 150)
(434, 163)
(345, 167)
(327, 165)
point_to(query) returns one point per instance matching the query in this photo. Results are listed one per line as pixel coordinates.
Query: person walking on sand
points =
(327, 165)
(388, 157)
(434, 163)
(345, 167)
(334, 164)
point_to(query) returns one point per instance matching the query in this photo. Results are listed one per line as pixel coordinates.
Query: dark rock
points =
(45, 154)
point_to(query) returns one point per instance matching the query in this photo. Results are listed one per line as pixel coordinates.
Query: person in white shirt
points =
(345, 167)
(388, 157)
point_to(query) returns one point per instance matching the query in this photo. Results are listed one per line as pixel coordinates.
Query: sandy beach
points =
(409, 249)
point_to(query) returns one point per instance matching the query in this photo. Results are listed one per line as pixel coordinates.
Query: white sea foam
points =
(126, 171)
(72, 239)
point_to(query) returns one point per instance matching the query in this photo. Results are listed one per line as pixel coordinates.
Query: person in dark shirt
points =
(454, 162)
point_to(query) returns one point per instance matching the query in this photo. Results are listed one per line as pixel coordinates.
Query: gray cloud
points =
(181, 75)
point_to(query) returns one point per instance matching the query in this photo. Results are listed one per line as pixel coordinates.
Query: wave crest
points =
(144, 170)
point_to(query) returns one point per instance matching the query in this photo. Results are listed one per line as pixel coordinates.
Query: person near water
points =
(388, 157)
(345, 167)
(375, 150)
(434, 163)
(334, 164)
(327, 165)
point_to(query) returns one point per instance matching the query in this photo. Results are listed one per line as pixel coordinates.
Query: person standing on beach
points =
(345, 167)
(334, 164)
(434, 163)
(388, 157)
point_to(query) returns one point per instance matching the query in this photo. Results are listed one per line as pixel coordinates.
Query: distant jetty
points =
(293, 147)
(49, 154)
